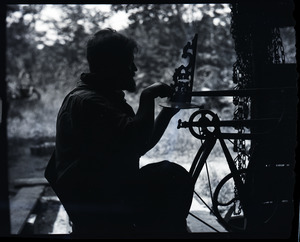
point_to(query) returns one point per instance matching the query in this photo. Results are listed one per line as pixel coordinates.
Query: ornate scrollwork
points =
(184, 75)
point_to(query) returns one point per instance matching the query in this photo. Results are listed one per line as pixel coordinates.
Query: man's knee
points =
(167, 186)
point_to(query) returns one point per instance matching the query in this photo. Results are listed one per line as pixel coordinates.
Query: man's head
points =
(111, 54)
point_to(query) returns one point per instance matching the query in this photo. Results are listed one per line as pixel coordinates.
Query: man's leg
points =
(166, 191)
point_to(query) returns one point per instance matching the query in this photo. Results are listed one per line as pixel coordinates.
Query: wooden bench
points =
(24, 202)
(32, 192)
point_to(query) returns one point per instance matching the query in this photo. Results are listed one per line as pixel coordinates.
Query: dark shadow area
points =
(231, 111)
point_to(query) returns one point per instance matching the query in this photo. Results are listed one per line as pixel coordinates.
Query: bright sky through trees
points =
(117, 20)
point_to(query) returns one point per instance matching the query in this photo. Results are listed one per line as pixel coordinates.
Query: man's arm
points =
(150, 130)
(160, 125)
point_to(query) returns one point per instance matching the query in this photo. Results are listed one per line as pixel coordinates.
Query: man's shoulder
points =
(87, 94)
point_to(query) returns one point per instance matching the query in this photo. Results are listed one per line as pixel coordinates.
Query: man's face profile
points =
(127, 77)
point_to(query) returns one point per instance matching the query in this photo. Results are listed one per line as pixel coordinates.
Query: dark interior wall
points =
(274, 152)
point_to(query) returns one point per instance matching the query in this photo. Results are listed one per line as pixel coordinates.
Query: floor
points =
(206, 222)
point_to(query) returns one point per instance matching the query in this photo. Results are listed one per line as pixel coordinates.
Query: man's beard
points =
(130, 85)
(125, 79)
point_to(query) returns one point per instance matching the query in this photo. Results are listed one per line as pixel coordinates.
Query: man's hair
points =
(107, 49)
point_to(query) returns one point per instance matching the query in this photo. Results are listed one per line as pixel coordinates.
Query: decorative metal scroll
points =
(183, 78)
(184, 75)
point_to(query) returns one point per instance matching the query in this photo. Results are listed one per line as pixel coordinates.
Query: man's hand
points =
(158, 90)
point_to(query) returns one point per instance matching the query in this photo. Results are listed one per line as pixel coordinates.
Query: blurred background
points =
(45, 55)
(46, 52)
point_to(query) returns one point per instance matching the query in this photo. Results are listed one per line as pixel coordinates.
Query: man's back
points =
(92, 159)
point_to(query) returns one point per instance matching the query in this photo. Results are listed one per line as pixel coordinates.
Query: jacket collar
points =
(102, 85)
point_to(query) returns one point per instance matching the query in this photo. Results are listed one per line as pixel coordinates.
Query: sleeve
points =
(102, 124)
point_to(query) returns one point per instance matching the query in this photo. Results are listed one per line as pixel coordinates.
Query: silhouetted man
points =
(99, 140)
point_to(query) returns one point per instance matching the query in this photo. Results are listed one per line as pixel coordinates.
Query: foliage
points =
(162, 32)
(41, 68)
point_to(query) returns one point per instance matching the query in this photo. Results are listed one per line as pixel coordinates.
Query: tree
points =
(50, 68)
(163, 29)
(54, 65)
(21, 49)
